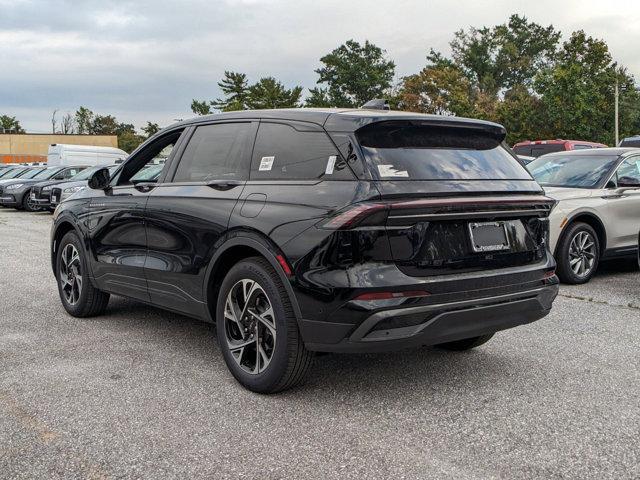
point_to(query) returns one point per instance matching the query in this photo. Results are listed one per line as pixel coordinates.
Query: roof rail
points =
(377, 104)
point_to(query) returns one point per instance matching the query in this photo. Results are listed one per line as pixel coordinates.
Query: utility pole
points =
(616, 114)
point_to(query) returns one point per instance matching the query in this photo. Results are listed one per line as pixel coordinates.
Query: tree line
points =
(518, 73)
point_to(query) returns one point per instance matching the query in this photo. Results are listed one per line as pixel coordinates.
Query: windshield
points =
(87, 172)
(398, 151)
(538, 149)
(148, 172)
(574, 171)
(84, 174)
(15, 173)
(43, 174)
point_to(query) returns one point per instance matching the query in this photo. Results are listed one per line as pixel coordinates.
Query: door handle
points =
(224, 184)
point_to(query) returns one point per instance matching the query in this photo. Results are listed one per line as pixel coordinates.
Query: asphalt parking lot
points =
(141, 392)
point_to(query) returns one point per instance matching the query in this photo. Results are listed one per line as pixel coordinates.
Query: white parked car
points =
(598, 210)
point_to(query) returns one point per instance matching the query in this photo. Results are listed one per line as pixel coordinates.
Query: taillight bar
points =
(354, 215)
(480, 201)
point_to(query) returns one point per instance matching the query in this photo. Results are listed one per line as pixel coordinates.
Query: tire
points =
(80, 299)
(265, 352)
(466, 343)
(570, 253)
(26, 203)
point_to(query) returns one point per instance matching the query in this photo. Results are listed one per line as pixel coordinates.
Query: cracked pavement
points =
(143, 393)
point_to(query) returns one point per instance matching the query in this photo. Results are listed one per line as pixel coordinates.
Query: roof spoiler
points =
(376, 104)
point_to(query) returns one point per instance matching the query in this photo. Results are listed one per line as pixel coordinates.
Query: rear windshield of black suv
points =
(404, 151)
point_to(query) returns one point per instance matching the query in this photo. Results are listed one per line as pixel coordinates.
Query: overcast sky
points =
(145, 60)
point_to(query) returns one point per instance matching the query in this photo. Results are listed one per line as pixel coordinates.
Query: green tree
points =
(503, 56)
(354, 74)
(521, 114)
(270, 93)
(577, 92)
(129, 140)
(10, 125)
(437, 89)
(318, 98)
(235, 88)
(524, 49)
(200, 107)
(150, 129)
(84, 120)
(106, 125)
(124, 128)
(474, 53)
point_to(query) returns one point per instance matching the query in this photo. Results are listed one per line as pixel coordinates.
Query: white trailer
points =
(69, 155)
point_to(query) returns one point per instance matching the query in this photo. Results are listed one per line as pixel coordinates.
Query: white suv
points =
(598, 211)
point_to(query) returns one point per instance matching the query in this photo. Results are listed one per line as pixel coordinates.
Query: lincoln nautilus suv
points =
(315, 230)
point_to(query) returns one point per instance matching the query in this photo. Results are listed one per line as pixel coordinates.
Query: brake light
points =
(390, 295)
(354, 215)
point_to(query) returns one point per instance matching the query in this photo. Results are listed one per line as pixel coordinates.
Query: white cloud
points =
(146, 60)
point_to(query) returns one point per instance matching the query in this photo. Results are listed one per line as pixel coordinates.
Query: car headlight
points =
(71, 190)
(14, 187)
(46, 189)
(67, 192)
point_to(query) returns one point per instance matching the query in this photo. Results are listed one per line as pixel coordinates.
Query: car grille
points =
(1, 190)
(56, 192)
(37, 191)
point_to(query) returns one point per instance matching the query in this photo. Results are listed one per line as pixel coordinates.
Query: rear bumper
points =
(432, 324)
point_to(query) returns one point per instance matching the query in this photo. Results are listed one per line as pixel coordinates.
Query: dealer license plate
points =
(488, 236)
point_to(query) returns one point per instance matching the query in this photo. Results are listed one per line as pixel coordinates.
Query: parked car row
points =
(39, 188)
(16, 183)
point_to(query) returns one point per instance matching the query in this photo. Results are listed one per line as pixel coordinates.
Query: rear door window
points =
(522, 150)
(544, 148)
(399, 151)
(69, 173)
(284, 152)
(215, 152)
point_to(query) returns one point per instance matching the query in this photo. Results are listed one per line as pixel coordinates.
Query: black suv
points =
(297, 231)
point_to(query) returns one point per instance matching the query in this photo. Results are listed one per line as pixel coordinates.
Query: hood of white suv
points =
(562, 193)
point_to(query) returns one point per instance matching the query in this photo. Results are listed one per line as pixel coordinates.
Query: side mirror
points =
(100, 179)
(628, 182)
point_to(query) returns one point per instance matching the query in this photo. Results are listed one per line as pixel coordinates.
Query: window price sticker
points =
(331, 163)
(390, 171)
(266, 164)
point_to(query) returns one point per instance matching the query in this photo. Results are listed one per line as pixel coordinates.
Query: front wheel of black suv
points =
(466, 343)
(577, 254)
(257, 329)
(79, 297)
